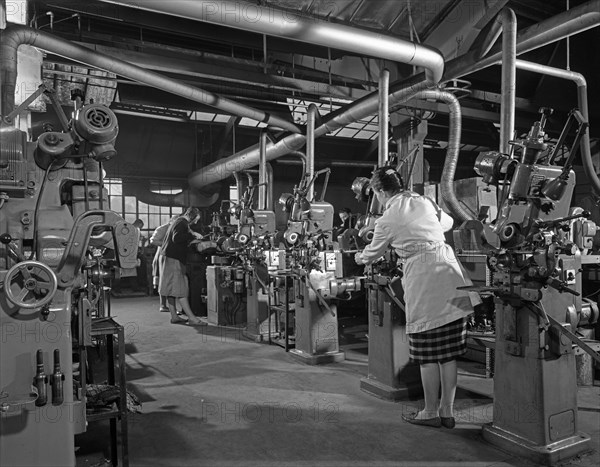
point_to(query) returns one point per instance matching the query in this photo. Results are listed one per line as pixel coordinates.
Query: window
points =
(131, 208)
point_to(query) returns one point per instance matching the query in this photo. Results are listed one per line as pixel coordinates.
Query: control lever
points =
(40, 380)
(560, 286)
(552, 223)
(57, 381)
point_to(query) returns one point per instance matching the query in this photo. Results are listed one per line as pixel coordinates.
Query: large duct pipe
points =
(15, 35)
(582, 101)
(509, 78)
(311, 118)
(288, 25)
(568, 23)
(243, 160)
(574, 21)
(249, 157)
(384, 117)
(452, 152)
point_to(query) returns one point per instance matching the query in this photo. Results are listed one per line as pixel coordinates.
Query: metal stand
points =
(109, 327)
(278, 309)
(391, 375)
(316, 328)
(535, 394)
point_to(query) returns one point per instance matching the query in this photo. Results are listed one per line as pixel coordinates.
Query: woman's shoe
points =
(197, 323)
(178, 321)
(434, 422)
(448, 422)
(162, 309)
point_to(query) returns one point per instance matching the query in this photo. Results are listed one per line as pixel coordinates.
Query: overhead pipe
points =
(508, 19)
(570, 22)
(295, 26)
(582, 102)
(262, 171)
(311, 118)
(15, 35)
(400, 92)
(452, 152)
(384, 116)
(276, 22)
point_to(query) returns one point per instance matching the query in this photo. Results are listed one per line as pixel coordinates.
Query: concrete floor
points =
(211, 397)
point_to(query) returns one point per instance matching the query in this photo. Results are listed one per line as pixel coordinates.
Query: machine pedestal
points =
(317, 338)
(549, 454)
(329, 357)
(535, 388)
(391, 375)
(257, 306)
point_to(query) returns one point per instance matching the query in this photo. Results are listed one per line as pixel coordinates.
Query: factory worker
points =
(157, 239)
(173, 281)
(414, 225)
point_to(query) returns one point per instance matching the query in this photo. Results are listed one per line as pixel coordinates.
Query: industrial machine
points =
(236, 291)
(391, 375)
(54, 242)
(313, 269)
(536, 250)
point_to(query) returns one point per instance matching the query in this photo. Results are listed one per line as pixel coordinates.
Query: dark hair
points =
(346, 210)
(192, 212)
(386, 179)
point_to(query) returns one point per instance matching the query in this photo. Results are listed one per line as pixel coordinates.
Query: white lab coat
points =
(414, 226)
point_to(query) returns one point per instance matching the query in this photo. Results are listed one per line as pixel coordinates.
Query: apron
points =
(431, 276)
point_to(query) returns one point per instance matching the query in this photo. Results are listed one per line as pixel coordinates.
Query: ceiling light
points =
(147, 111)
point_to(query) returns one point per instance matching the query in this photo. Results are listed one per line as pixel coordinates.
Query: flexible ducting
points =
(452, 152)
(15, 35)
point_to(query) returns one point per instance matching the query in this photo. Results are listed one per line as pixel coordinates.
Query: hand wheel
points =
(30, 284)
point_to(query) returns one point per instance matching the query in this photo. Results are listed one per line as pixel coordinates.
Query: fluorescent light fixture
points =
(147, 111)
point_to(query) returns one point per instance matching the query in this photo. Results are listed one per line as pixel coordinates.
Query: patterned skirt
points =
(439, 345)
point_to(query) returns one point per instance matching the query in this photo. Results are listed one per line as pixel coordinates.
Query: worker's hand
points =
(358, 258)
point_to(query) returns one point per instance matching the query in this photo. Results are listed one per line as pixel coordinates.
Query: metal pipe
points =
(262, 171)
(15, 35)
(452, 152)
(242, 160)
(490, 38)
(384, 116)
(291, 25)
(311, 118)
(269, 205)
(400, 92)
(509, 78)
(238, 185)
(573, 21)
(582, 102)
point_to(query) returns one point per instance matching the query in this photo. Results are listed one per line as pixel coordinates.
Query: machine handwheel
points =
(30, 284)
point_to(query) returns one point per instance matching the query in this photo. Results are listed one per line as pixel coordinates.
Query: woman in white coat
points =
(414, 225)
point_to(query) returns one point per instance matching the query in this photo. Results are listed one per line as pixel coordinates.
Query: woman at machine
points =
(173, 282)
(435, 310)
